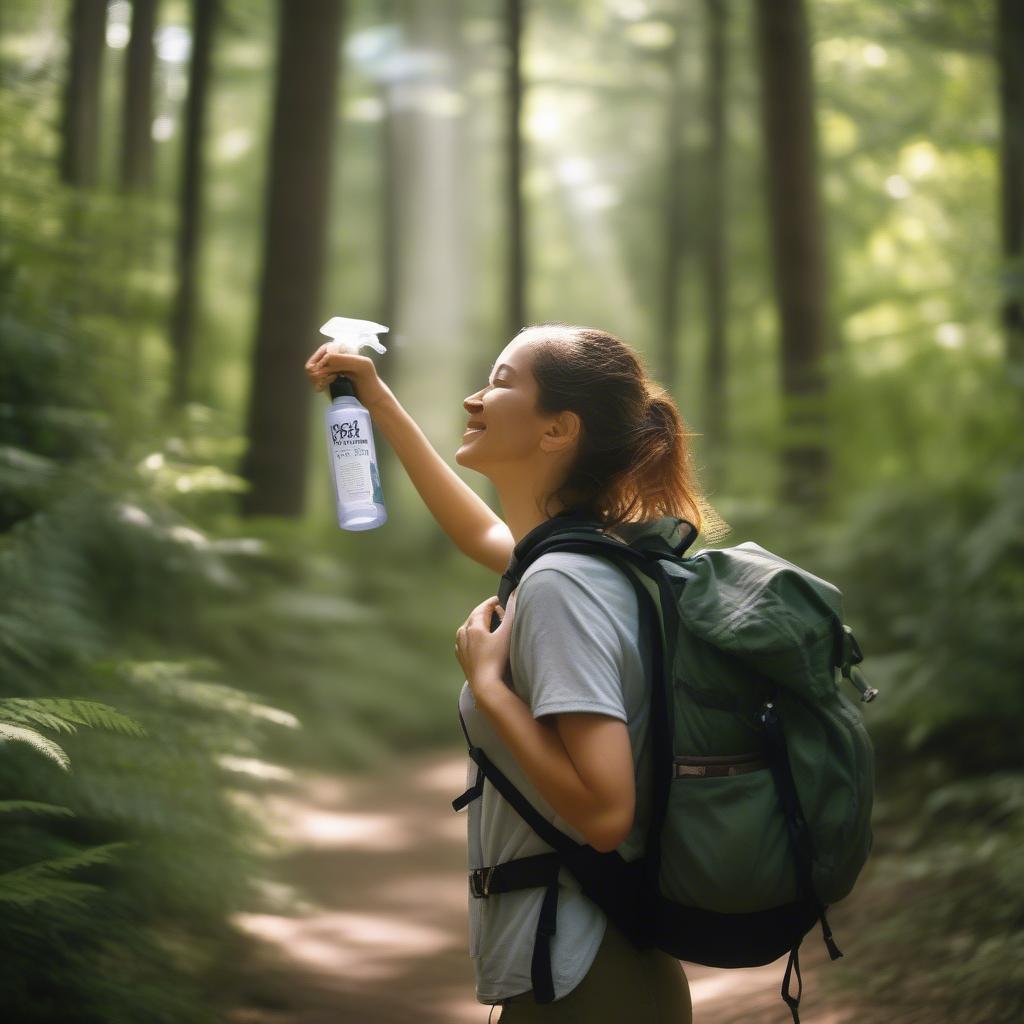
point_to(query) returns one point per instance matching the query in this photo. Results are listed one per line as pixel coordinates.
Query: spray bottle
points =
(350, 449)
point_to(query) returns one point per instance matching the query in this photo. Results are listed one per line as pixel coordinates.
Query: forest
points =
(807, 217)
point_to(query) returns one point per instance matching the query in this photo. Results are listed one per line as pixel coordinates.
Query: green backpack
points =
(763, 771)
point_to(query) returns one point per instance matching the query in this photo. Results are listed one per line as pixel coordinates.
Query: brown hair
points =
(633, 462)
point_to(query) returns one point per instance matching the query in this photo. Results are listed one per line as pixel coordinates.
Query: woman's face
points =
(505, 411)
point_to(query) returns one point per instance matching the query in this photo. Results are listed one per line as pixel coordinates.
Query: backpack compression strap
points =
(796, 825)
(800, 844)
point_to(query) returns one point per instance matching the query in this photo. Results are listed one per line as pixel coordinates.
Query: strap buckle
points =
(851, 653)
(480, 881)
(851, 656)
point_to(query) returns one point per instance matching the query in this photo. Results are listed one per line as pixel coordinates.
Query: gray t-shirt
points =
(574, 647)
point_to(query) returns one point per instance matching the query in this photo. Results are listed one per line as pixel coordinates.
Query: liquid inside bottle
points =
(358, 497)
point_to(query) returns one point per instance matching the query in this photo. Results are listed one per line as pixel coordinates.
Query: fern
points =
(17, 734)
(63, 714)
(175, 680)
(34, 883)
(35, 806)
(45, 890)
(25, 473)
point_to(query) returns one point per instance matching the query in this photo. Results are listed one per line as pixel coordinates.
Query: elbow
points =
(611, 831)
(494, 550)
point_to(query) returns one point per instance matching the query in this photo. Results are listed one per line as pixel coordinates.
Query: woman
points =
(568, 424)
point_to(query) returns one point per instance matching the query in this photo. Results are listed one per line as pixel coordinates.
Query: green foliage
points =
(65, 715)
(353, 639)
(936, 576)
(123, 853)
(101, 584)
(131, 599)
(31, 885)
(35, 883)
(933, 581)
(936, 928)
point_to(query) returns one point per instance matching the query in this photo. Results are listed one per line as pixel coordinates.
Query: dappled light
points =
(358, 945)
(773, 249)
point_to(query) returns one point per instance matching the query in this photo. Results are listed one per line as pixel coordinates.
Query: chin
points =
(465, 459)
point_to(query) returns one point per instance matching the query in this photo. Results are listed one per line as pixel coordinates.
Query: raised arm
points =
(462, 513)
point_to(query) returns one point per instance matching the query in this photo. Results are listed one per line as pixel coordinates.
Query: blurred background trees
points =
(807, 216)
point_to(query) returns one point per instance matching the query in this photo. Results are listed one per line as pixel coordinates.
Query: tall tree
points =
(302, 140)
(87, 27)
(673, 210)
(715, 230)
(516, 254)
(137, 109)
(204, 15)
(796, 244)
(1010, 45)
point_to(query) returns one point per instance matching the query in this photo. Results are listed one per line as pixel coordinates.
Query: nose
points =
(472, 403)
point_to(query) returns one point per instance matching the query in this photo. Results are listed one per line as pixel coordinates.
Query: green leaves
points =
(39, 743)
(34, 807)
(19, 714)
(41, 882)
(64, 714)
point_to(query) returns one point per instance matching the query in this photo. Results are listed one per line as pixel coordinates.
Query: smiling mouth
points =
(473, 430)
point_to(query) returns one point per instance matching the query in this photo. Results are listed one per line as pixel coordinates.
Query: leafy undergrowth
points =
(934, 930)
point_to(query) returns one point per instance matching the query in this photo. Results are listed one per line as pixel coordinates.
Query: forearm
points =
(540, 753)
(461, 512)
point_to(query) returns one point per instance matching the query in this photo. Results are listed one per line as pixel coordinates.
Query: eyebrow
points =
(503, 366)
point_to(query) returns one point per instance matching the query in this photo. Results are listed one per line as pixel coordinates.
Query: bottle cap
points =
(351, 335)
(341, 386)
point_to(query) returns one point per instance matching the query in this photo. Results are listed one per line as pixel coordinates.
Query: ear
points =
(562, 433)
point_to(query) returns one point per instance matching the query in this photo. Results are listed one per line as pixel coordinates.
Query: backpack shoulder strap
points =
(659, 629)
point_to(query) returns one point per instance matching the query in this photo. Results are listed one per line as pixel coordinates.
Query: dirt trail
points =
(372, 924)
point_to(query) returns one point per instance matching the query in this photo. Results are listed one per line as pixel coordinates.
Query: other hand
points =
(482, 654)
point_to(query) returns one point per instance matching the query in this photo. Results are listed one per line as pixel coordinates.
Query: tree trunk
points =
(87, 27)
(674, 216)
(204, 13)
(516, 281)
(715, 229)
(1010, 44)
(295, 230)
(797, 246)
(137, 112)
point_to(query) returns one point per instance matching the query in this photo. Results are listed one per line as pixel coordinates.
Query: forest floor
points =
(369, 922)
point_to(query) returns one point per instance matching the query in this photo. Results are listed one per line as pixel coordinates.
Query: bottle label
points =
(352, 463)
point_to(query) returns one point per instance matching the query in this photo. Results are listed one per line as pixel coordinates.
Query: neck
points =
(521, 491)
(522, 512)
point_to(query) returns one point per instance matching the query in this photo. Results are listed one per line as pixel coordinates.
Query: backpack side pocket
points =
(724, 845)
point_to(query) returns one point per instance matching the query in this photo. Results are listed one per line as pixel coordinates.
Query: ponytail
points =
(633, 462)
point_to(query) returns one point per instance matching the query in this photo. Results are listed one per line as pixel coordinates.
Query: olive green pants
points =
(623, 984)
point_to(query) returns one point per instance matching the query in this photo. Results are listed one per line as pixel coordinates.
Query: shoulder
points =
(576, 563)
(573, 571)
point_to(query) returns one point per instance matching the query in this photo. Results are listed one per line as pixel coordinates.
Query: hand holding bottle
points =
(324, 365)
